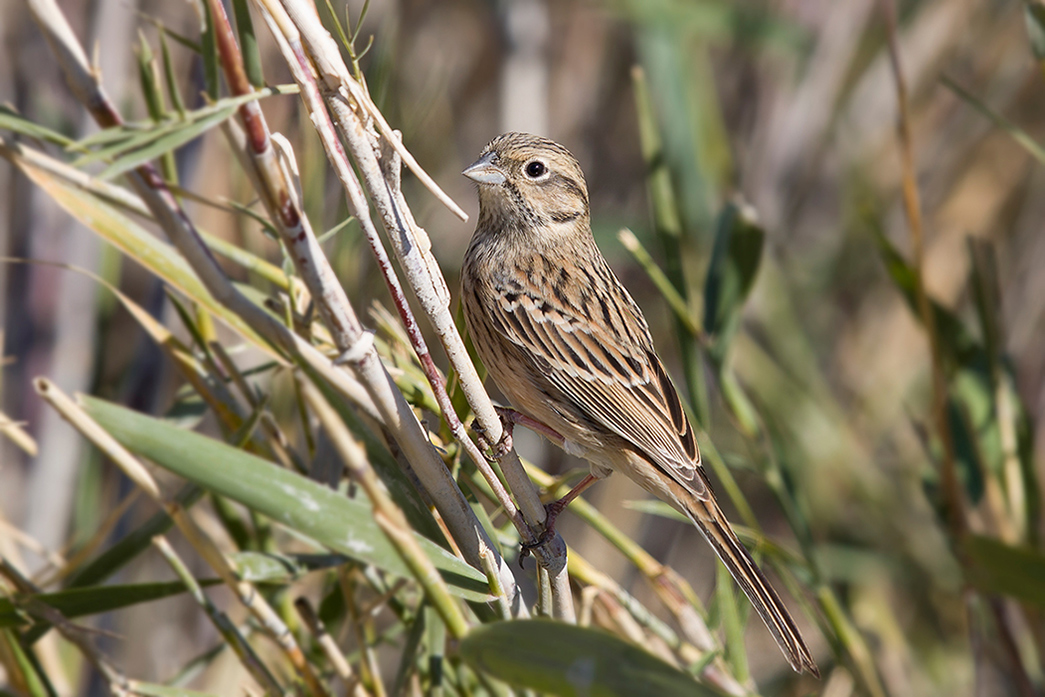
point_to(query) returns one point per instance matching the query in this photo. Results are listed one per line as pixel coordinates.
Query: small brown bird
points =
(567, 345)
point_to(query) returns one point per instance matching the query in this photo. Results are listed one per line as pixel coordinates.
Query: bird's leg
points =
(511, 417)
(555, 508)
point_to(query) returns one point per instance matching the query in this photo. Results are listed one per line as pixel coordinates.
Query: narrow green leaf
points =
(359, 23)
(269, 567)
(78, 602)
(660, 279)
(996, 568)
(567, 660)
(435, 641)
(170, 75)
(408, 656)
(668, 226)
(967, 451)
(338, 28)
(148, 76)
(735, 258)
(1034, 14)
(168, 143)
(988, 305)
(732, 624)
(957, 343)
(657, 508)
(248, 43)
(122, 140)
(658, 177)
(209, 52)
(251, 262)
(116, 557)
(342, 524)
(11, 120)
(22, 668)
(106, 136)
(1019, 135)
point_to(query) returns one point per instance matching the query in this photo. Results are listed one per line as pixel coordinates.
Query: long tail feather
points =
(710, 520)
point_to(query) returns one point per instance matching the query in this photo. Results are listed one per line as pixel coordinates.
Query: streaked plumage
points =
(567, 345)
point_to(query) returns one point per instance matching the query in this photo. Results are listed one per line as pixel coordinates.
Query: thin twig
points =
(955, 507)
(330, 648)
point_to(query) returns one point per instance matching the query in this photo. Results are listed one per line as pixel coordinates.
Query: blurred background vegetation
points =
(818, 397)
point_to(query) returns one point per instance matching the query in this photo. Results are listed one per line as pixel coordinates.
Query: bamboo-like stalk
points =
(358, 121)
(356, 347)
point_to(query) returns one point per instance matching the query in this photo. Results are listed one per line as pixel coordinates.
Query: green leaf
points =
(967, 451)
(567, 660)
(170, 75)
(149, 76)
(726, 602)
(22, 668)
(735, 258)
(116, 557)
(1018, 134)
(209, 52)
(999, 569)
(1034, 14)
(269, 567)
(957, 344)
(78, 602)
(344, 525)
(657, 508)
(13, 121)
(128, 137)
(168, 143)
(248, 43)
(670, 230)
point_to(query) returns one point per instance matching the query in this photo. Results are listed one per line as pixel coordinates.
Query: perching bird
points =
(570, 349)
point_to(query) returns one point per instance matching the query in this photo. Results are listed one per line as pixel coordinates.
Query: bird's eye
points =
(535, 169)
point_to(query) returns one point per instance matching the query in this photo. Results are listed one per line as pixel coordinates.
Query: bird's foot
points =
(500, 448)
(552, 511)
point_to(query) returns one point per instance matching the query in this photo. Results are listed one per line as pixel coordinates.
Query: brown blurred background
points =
(790, 104)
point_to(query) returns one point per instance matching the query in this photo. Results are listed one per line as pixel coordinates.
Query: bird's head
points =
(529, 183)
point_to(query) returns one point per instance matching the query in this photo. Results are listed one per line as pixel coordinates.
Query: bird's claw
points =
(552, 511)
(504, 445)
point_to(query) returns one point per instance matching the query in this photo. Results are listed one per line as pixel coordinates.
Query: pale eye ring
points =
(535, 169)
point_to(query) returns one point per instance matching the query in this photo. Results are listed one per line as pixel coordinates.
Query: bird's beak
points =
(484, 171)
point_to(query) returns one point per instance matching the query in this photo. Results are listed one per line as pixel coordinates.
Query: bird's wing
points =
(593, 344)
